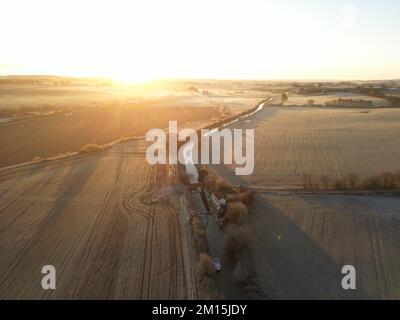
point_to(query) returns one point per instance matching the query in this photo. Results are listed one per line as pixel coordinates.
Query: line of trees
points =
(383, 181)
(234, 221)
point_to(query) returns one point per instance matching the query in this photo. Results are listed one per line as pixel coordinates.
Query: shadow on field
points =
(80, 171)
(298, 265)
(19, 272)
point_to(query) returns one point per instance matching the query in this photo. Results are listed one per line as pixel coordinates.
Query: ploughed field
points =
(43, 137)
(108, 222)
(301, 243)
(293, 142)
(321, 99)
(301, 240)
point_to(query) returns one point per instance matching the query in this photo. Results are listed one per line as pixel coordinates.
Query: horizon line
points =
(208, 79)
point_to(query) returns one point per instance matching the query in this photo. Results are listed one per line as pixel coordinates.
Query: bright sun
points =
(134, 77)
(138, 41)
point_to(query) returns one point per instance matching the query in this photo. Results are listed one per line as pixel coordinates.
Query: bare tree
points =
(237, 213)
(205, 266)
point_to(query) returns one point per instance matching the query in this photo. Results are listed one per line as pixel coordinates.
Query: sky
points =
(141, 40)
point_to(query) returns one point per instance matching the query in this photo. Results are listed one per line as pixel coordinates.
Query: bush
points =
(205, 266)
(244, 197)
(225, 186)
(203, 174)
(247, 196)
(206, 271)
(199, 234)
(91, 148)
(237, 240)
(237, 213)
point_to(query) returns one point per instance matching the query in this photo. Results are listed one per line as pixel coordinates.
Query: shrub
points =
(203, 174)
(225, 186)
(205, 266)
(233, 198)
(199, 234)
(244, 197)
(237, 240)
(209, 180)
(247, 196)
(237, 213)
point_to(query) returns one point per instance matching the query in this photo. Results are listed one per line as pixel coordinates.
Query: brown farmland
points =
(302, 239)
(291, 143)
(102, 221)
(301, 243)
(23, 140)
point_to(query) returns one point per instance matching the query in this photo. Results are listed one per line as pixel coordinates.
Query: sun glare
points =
(136, 41)
(135, 77)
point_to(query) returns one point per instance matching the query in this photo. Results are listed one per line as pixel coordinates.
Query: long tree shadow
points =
(80, 171)
(302, 269)
(81, 168)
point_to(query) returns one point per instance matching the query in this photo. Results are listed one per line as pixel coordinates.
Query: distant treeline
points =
(33, 110)
(377, 90)
(349, 103)
(36, 80)
(379, 93)
(383, 181)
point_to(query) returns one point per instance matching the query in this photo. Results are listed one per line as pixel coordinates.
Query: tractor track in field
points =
(129, 202)
(144, 291)
(174, 243)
